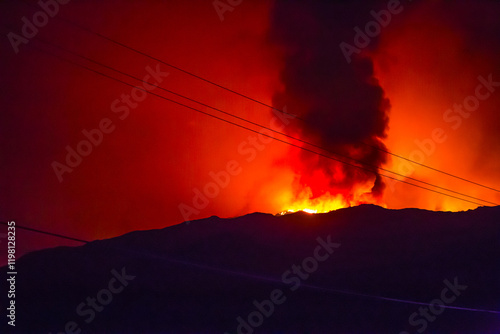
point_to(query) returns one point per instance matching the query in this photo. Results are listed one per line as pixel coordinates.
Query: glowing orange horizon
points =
(330, 200)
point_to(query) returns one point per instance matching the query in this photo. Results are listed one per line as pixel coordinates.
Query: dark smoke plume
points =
(342, 103)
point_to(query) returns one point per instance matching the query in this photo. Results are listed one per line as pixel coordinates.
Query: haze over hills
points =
(355, 270)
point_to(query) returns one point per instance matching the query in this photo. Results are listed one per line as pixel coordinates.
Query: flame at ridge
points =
(304, 198)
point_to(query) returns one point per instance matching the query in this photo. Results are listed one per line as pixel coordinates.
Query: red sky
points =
(428, 58)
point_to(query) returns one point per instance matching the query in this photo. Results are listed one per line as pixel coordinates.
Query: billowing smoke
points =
(337, 96)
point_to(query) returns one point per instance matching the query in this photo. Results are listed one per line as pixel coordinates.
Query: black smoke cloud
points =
(341, 103)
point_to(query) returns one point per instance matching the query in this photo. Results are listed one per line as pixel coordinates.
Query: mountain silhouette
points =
(363, 269)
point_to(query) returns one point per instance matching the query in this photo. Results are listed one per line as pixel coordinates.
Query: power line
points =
(255, 131)
(300, 147)
(261, 126)
(47, 233)
(59, 17)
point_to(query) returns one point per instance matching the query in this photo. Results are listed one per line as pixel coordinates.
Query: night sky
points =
(425, 86)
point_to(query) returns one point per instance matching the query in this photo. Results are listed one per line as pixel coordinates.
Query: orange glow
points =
(325, 203)
(421, 85)
(312, 192)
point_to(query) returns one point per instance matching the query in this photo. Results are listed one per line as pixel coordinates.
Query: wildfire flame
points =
(306, 202)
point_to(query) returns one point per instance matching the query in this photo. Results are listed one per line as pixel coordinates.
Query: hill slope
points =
(238, 276)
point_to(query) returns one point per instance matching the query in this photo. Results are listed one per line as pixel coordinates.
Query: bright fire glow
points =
(324, 203)
(310, 211)
(306, 202)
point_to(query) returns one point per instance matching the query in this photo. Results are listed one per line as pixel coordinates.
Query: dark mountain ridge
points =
(202, 276)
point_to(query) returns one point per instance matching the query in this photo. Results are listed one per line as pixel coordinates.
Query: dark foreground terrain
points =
(358, 270)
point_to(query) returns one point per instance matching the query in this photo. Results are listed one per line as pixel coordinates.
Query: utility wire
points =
(47, 233)
(249, 129)
(261, 126)
(81, 27)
